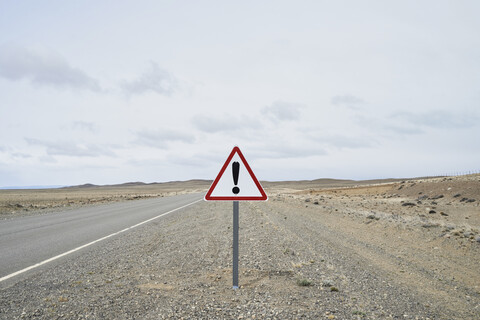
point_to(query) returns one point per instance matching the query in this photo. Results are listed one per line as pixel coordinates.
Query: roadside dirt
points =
(367, 252)
(20, 202)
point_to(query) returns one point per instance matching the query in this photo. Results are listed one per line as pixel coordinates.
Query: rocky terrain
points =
(405, 249)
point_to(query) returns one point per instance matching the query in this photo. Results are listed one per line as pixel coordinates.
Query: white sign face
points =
(236, 181)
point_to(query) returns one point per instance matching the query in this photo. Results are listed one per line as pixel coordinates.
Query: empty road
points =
(30, 242)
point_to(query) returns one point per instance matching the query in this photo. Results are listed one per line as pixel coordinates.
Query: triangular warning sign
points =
(236, 181)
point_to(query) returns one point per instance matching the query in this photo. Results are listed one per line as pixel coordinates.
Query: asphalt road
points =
(27, 241)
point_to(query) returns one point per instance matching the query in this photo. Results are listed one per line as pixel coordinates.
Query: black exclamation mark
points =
(235, 172)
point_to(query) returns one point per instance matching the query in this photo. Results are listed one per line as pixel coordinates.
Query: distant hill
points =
(199, 183)
(86, 185)
(190, 183)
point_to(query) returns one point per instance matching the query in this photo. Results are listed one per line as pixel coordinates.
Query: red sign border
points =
(208, 195)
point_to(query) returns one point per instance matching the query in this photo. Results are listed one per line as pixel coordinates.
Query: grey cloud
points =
(438, 119)
(67, 148)
(21, 155)
(404, 130)
(48, 159)
(196, 160)
(288, 151)
(83, 125)
(18, 63)
(283, 111)
(346, 142)
(15, 154)
(150, 162)
(347, 100)
(161, 138)
(409, 123)
(224, 124)
(339, 140)
(386, 125)
(155, 79)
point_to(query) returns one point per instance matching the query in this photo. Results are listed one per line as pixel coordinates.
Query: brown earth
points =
(316, 250)
(35, 201)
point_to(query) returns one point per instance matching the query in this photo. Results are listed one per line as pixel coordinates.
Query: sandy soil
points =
(377, 250)
(37, 201)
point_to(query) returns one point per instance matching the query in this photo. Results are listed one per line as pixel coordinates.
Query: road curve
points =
(27, 241)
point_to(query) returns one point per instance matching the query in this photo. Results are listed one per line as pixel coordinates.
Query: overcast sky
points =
(113, 91)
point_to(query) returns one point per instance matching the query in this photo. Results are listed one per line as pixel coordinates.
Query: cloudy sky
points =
(114, 91)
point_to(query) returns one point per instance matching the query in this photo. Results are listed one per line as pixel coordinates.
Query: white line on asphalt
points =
(90, 243)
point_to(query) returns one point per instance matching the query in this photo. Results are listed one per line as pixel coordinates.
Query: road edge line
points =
(91, 243)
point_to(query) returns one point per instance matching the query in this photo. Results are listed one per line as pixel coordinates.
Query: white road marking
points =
(93, 242)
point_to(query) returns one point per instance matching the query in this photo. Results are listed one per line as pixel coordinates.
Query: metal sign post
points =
(235, 244)
(245, 188)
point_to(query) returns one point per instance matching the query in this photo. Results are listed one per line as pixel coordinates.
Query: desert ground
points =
(322, 249)
(19, 202)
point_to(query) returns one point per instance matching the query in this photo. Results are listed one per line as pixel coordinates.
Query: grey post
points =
(235, 244)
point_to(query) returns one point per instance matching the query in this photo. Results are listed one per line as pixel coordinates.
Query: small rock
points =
(408, 204)
(443, 214)
(432, 211)
(457, 195)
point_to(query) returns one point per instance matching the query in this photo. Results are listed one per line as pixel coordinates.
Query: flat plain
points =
(322, 249)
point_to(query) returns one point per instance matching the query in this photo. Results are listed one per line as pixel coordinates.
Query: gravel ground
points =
(298, 260)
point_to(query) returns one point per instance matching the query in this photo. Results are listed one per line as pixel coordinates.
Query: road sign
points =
(236, 181)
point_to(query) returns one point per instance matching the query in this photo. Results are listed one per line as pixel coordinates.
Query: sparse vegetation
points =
(295, 266)
(304, 283)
